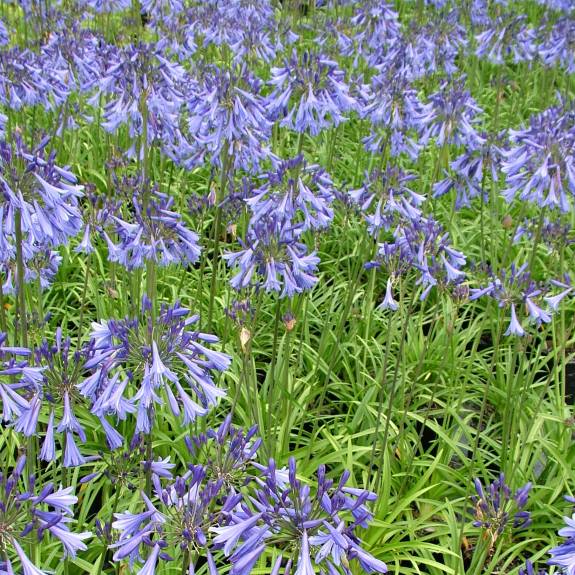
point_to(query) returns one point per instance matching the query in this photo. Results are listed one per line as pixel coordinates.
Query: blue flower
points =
(134, 372)
(310, 94)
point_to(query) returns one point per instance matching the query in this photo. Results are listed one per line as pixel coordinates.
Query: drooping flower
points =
(421, 245)
(146, 91)
(451, 117)
(26, 513)
(385, 197)
(227, 122)
(437, 44)
(392, 105)
(540, 167)
(513, 288)
(309, 94)
(506, 35)
(294, 192)
(376, 27)
(274, 258)
(43, 194)
(58, 398)
(469, 172)
(140, 363)
(157, 233)
(16, 374)
(556, 45)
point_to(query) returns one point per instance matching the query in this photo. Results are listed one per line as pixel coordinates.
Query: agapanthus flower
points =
(559, 5)
(274, 258)
(177, 521)
(451, 117)
(157, 233)
(142, 81)
(227, 122)
(108, 6)
(514, 289)
(336, 38)
(506, 35)
(540, 166)
(377, 27)
(495, 507)
(16, 375)
(393, 107)
(4, 35)
(229, 24)
(44, 195)
(253, 45)
(28, 79)
(386, 196)
(28, 511)
(310, 94)
(557, 43)
(468, 172)
(566, 288)
(437, 44)
(304, 527)
(57, 397)
(564, 554)
(160, 8)
(40, 269)
(82, 56)
(294, 191)
(226, 453)
(422, 245)
(142, 362)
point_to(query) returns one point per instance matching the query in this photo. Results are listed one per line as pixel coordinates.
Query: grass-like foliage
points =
(286, 287)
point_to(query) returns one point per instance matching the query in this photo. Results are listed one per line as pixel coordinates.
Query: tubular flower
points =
(512, 289)
(384, 198)
(156, 234)
(227, 122)
(294, 192)
(539, 167)
(304, 528)
(27, 514)
(272, 257)
(309, 94)
(140, 363)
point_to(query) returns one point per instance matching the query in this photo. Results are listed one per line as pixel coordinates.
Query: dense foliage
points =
(286, 287)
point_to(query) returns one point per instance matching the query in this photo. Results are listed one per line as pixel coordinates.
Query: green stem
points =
(21, 307)
(272, 375)
(2, 310)
(226, 162)
(83, 299)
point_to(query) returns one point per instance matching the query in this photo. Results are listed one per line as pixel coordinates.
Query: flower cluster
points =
(27, 513)
(141, 362)
(495, 507)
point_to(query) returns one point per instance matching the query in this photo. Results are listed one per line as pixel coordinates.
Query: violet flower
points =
(539, 167)
(309, 94)
(495, 507)
(27, 513)
(141, 363)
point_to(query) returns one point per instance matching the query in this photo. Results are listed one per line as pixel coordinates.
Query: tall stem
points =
(21, 307)
(2, 310)
(217, 224)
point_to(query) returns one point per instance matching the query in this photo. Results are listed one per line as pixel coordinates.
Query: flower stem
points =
(21, 306)
(217, 225)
